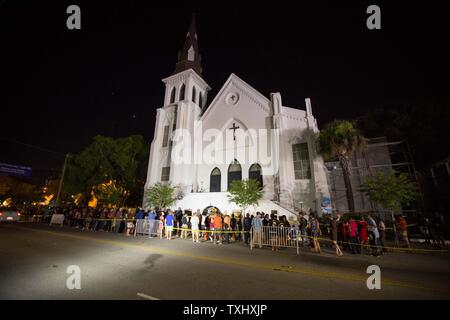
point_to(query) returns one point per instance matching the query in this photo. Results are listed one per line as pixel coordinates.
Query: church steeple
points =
(189, 57)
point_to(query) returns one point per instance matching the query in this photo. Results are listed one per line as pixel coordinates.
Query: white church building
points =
(202, 147)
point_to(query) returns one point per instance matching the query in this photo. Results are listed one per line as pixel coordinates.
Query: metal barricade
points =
(274, 237)
(147, 227)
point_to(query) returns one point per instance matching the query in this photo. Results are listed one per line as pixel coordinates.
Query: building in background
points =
(381, 155)
(435, 182)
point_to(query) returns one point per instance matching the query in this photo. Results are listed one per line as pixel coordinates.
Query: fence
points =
(147, 227)
(275, 237)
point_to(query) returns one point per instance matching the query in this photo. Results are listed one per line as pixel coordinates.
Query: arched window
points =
(255, 173)
(194, 94)
(182, 89)
(214, 181)
(172, 95)
(234, 172)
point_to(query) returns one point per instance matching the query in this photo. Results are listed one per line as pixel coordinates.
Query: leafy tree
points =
(24, 192)
(245, 193)
(340, 140)
(6, 184)
(161, 195)
(122, 160)
(109, 194)
(18, 190)
(391, 190)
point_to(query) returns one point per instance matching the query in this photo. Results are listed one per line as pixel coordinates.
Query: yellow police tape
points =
(212, 231)
(382, 247)
(329, 240)
(299, 237)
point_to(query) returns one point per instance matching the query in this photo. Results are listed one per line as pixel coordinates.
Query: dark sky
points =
(61, 87)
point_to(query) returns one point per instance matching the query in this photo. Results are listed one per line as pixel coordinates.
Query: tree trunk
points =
(348, 184)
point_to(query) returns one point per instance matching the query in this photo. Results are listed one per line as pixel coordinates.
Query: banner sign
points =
(57, 219)
(15, 170)
(326, 205)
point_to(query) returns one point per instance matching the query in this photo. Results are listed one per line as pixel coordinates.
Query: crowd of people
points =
(354, 234)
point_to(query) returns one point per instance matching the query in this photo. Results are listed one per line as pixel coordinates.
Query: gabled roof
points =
(245, 89)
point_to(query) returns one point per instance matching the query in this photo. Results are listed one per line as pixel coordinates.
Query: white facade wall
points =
(240, 104)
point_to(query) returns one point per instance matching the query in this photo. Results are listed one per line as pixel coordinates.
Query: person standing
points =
(315, 233)
(233, 225)
(160, 226)
(203, 226)
(382, 231)
(184, 226)
(140, 214)
(117, 220)
(239, 228)
(353, 236)
(195, 221)
(403, 228)
(257, 229)
(129, 225)
(217, 228)
(169, 225)
(363, 238)
(227, 226)
(374, 236)
(178, 221)
(334, 234)
(247, 227)
(211, 227)
(265, 220)
(273, 230)
(303, 226)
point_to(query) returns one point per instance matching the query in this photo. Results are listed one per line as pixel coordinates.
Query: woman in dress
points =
(315, 233)
(195, 221)
(161, 226)
(334, 234)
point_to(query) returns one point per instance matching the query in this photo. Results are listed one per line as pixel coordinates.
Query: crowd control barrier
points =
(147, 227)
(274, 237)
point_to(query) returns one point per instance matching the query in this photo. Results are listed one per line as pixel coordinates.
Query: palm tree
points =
(340, 139)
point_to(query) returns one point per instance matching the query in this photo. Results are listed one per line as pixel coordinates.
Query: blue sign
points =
(15, 170)
(326, 205)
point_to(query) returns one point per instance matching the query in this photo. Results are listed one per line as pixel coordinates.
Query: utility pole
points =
(62, 179)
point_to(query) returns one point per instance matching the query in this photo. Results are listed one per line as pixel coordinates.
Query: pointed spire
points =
(189, 57)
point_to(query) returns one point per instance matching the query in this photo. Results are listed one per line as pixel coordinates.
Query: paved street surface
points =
(34, 261)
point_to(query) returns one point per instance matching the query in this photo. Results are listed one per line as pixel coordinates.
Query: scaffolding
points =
(380, 155)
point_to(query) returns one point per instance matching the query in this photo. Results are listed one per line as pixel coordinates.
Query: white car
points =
(9, 215)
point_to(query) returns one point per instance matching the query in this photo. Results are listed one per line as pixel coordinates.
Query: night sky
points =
(61, 87)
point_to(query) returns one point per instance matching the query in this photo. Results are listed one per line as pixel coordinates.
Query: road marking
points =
(243, 263)
(146, 296)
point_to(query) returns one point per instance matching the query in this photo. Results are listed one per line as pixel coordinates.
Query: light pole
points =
(62, 179)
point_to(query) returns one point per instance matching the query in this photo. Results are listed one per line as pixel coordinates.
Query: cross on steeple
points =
(234, 130)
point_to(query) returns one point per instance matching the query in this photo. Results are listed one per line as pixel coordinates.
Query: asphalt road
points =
(34, 260)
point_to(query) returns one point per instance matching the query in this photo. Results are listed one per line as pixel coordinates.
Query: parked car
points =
(9, 215)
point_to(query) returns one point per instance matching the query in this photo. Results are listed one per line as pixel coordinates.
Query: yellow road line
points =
(242, 263)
